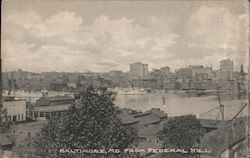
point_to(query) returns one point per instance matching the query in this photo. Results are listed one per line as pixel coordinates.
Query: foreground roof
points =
(225, 137)
(126, 118)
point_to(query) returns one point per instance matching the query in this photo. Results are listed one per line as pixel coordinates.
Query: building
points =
(24, 80)
(56, 100)
(51, 106)
(184, 73)
(58, 87)
(242, 70)
(165, 71)
(127, 119)
(138, 69)
(201, 72)
(222, 75)
(145, 83)
(227, 65)
(49, 111)
(16, 110)
(156, 73)
(115, 73)
(151, 117)
(227, 141)
(237, 75)
(150, 122)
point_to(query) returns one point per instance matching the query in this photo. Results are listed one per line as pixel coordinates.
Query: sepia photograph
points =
(125, 79)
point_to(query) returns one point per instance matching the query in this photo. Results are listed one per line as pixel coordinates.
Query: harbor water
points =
(176, 104)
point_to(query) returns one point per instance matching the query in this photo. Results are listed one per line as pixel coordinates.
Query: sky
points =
(74, 35)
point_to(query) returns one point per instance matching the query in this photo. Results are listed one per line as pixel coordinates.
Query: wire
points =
(209, 111)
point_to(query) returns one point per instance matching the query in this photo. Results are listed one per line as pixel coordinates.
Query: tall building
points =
(242, 70)
(227, 65)
(138, 69)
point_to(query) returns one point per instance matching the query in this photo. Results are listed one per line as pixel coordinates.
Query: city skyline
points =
(75, 37)
(235, 69)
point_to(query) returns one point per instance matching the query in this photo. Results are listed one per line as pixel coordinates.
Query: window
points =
(18, 117)
(35, 114)
(41, 114)
(14, 118)
(22, 117)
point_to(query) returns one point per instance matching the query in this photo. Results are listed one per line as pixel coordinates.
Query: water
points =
(177, 104)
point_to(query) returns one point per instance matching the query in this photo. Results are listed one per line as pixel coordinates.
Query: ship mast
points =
(220, 105)
(163, 97)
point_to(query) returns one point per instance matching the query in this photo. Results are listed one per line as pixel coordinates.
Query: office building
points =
(138, 69)
(227, 65)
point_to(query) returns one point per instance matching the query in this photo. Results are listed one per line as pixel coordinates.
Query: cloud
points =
(64, 40)
(62, 23)
(217, 26)
(108, 64)
(212, 34)
(121, 41)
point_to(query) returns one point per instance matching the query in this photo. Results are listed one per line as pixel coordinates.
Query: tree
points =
(183, 132)
(91, 125)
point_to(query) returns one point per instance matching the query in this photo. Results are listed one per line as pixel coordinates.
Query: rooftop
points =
(126, 118)
(152, 116)
(52, 108)
(223, 138)
(155, 111)
(59, 98)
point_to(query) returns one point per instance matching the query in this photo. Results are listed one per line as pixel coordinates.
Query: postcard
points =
(125, 79)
